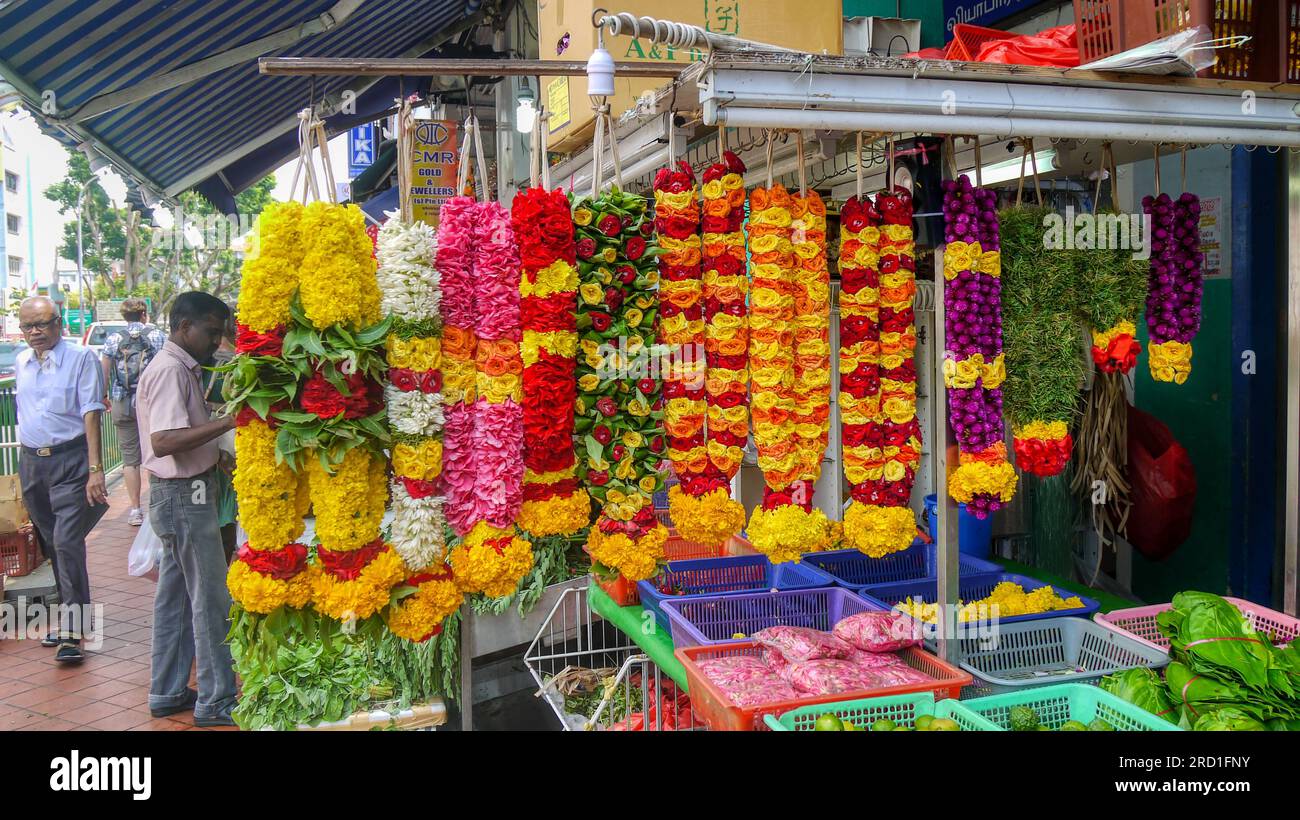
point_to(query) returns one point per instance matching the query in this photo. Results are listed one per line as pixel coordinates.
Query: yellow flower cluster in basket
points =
(1007, 599)
(637, 559)
(338, 284)
(270, 272)
(491, 560)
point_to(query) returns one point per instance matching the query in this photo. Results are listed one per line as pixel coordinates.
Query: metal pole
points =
(1291, 544)
(467, 668)
(946, 546)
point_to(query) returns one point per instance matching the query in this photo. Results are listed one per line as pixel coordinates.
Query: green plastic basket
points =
(1069, 701)
(902, 709)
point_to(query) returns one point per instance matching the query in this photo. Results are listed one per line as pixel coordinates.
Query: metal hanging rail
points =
(399, 66)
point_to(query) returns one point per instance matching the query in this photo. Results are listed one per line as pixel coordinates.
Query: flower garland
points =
(974, 368)
(619, 407)
(882, 438)
(553, 501)
(785, 526)
(411, 295)
(485, 430)
(705, 326)
(269, 569)
(1044, 369)
(1174, 296)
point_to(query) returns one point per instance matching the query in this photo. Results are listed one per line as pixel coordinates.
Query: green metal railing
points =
(110, 451)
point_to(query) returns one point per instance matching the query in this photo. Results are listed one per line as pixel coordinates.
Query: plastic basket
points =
(1108, 27)
(901, 709)
(20, 553)
(721, 714)
(676, 548)
(718, 576)
(720, 618)
(974, 588)
(1139, 623)
(967, 41)
(857, 571)
(1070, 701)
(1053, 651)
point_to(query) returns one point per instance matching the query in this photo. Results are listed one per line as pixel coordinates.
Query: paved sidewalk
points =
(109, 690)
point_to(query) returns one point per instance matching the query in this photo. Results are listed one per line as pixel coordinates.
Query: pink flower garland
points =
(459, 318)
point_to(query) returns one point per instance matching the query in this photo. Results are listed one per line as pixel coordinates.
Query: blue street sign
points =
(361, 148)
(980, 12)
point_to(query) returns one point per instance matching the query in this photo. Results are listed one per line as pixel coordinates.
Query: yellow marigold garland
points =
(338, 284)
(267, 491)
(362, 596)
(263, 594)
(350, 503)
(636, 559)
(419, 616)
(491, 560)
(270, 272)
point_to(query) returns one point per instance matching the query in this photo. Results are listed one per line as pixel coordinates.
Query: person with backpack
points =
(125, 356)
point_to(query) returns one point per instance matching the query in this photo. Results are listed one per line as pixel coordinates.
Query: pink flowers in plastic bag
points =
(747, 681)
(877, 631)
(797, 643)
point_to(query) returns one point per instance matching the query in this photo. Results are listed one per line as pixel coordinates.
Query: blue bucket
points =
(974, 537)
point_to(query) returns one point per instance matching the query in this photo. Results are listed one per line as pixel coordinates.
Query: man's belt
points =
(55, 449)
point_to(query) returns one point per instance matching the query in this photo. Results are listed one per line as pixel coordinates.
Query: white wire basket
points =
(595, 678)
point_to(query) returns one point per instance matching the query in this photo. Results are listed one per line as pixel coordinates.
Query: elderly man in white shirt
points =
(60, 398)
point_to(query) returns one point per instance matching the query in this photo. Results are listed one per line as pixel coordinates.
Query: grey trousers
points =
(54, 491)
(191, 607)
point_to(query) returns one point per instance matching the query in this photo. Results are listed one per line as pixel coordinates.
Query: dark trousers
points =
(54, 491)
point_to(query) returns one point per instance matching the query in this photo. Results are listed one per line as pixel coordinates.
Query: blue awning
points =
(64, 56)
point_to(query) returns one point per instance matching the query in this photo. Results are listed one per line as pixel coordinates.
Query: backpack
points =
(134, 353)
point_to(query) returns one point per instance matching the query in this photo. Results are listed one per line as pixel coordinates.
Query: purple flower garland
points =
(1175, 286)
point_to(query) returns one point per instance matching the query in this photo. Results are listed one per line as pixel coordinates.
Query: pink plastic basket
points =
(1140, 622)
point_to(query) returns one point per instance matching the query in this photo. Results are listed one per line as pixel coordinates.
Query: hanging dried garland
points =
(554, 503)
(619, 408)
(974, 368)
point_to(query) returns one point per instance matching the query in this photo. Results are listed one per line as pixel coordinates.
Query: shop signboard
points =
(434, 167)
(361, 148)
(981, 12)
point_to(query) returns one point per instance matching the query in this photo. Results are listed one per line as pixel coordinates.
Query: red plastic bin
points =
(623, 592)
(1108, 27)
(967, 40)
(714, 708)
(20, 553)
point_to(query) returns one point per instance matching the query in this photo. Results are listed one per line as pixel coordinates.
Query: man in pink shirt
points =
(178, 447)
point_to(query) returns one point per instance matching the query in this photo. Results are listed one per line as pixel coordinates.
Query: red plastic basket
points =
(1108, 27)
(19, 552)
(623, 592)
(716, 709)
(967, 40)
(1139, 622)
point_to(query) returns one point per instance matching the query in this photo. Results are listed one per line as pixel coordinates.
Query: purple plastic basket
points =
(706, 577)
(974, 588)
(854, 570)
(719, 618)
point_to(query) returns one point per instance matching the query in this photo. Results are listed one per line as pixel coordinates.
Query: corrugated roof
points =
(80, 49)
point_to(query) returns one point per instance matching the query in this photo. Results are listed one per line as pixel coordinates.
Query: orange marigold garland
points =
(785, 525)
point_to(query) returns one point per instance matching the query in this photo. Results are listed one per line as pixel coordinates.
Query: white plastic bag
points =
(146, 552)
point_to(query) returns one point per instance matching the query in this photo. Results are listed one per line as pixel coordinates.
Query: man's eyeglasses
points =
(28, 328)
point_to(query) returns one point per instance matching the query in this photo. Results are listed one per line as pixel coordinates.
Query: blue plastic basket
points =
(854, 570)
(973, 588)
(721, 618)
(718, 576)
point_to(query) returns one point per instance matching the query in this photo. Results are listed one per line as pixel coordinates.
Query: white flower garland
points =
(417, 530)
(410, 288)
(414, 413)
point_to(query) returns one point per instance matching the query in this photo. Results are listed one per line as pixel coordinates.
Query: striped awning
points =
(170, 92)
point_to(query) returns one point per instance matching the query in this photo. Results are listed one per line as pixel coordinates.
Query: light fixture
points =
(526, 113)
(98, 162)
(600, 70)
(1009, 169)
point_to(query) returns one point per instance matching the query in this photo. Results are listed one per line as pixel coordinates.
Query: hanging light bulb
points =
(600, 70)
(526, 113)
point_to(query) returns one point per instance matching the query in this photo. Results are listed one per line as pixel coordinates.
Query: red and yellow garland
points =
(554, 503)
(785, 525)
(705, 314)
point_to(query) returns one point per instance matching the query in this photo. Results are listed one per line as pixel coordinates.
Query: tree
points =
(104, 237)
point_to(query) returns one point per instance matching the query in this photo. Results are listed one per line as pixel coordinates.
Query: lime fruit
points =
(828, 723)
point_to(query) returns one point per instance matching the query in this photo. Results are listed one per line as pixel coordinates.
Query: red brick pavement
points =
(109, 690)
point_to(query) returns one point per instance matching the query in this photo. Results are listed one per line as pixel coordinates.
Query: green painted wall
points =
(1199, 415)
